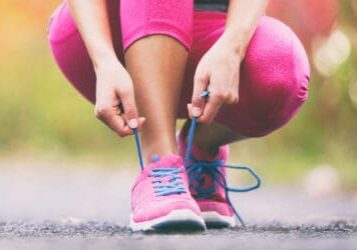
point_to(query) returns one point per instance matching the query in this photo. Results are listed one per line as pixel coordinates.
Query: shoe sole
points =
(215, 220)
(177, 220)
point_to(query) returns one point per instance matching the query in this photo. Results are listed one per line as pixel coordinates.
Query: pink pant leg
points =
(142, 18)
(70, 53)
(274, 75)
(138, 18)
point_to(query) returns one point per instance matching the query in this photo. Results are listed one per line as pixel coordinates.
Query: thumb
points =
(198, 103)
(130, 111)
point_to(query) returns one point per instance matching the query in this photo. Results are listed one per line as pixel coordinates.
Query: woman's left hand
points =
(217, 72)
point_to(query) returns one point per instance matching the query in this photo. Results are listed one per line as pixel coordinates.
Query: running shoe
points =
(207, 181)
(204, 184)
(161, 199)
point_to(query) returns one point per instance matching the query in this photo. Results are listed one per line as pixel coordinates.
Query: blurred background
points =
(43, 118)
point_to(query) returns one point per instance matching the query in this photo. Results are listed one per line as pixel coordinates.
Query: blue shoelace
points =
(196, 169)
(173, 185)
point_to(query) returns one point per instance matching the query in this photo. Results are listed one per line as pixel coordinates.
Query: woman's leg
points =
(273, 84)
(70, 52)
(157, 65)
(156, 62)
(156, 42)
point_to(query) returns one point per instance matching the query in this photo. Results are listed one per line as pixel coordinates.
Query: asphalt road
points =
(47, 205)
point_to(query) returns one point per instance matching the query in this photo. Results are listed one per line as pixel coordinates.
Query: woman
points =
(145, 63)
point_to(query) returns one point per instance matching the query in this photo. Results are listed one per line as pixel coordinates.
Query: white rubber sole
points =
(214, 219)
(183, 219)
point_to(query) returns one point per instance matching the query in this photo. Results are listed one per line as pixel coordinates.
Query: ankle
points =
(211, 150)
(198, 144)
(158, 149)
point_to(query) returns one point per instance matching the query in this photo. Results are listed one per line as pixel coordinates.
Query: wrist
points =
(236, 44)
(104, 60)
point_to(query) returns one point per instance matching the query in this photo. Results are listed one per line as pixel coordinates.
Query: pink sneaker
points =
(161, 198)
(207, 181)
(205, 189)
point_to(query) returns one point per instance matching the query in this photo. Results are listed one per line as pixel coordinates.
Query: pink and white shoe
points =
(207, 182)
(204, 186)
(161, 199)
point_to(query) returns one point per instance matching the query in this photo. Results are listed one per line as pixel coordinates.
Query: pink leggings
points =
(274, 73)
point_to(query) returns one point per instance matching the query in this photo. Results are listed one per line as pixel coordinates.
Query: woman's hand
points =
(115, 101)
(217, 72)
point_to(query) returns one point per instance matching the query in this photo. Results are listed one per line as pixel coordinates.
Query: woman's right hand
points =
(115, 101)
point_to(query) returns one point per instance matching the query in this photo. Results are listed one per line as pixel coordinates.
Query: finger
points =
(116, 123)
(211, 109)
(233, 97)
(189, 108)
(141, 122)
(130, 111)
(127, 130)
(201, 82)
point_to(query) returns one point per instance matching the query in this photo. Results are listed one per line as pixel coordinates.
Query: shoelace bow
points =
(196, 168)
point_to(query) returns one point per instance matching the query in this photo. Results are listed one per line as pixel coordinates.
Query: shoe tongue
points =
(205, 156)
(170, 161)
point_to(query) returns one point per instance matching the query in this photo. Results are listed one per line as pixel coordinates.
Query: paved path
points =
(55, 206)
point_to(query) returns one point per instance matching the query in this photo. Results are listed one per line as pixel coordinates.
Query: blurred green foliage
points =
(43, 116)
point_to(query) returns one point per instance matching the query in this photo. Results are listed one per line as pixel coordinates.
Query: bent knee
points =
(268, 109)
(265, 106)
(275, 75)
(275, 52)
